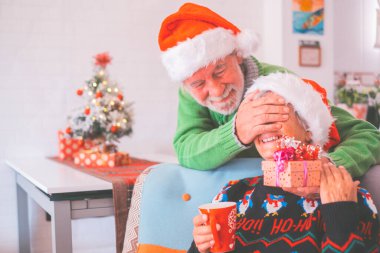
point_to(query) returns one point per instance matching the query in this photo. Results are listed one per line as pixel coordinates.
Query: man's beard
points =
(234, 96)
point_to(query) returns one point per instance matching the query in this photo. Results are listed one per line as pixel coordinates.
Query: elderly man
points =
(213, 59)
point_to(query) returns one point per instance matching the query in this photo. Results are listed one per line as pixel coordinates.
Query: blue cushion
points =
(165, 218)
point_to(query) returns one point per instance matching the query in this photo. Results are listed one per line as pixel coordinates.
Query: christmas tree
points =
(106, 117)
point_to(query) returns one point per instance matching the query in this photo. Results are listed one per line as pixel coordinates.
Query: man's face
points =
(218, 86)
(266, 144)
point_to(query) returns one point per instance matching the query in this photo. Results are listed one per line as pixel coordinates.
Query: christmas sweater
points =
(205, 139)
(272, 220)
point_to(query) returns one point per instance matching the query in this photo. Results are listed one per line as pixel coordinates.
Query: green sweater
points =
(205, 139)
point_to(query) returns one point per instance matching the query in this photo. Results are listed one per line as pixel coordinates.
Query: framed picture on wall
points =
(308, 16)
(309, 53)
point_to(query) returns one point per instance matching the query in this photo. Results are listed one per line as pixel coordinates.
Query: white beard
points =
(227, 107)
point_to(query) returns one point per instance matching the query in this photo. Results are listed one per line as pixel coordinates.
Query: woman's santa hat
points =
(195, 36)
(309, 101)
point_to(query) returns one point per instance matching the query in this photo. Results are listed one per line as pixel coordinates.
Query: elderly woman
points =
(342, 218)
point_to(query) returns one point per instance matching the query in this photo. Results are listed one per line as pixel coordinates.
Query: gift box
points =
(95, 159)
(304, 173)
(68, 146)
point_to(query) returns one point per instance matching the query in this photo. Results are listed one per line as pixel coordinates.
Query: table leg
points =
(23, 220)
(61, 227)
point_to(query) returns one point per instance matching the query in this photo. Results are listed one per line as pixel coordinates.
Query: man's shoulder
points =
(270, 68)
(267, 68)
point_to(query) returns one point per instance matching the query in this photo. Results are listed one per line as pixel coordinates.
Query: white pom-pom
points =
(247, 43)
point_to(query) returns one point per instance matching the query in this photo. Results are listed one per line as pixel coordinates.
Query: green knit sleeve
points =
(267, 69)
(199, 142)
(359, 148)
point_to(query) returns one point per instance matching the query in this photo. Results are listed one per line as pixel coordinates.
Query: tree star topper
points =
(102, 59)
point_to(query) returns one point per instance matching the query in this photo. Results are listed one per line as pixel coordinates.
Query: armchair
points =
(160, 219)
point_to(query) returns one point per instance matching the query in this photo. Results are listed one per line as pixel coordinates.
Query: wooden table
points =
(63, 192)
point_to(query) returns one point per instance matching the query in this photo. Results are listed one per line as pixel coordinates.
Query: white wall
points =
(272, 34)
(354, 36)
(46, 50)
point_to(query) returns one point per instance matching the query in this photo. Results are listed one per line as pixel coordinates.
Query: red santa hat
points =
(195, 36)
(308, 99)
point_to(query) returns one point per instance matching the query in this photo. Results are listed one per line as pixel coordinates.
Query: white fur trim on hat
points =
(188, 56)
(306, 101)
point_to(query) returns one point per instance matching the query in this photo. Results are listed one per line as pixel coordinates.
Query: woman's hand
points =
(202, 234)
(337, 185)
(310, 192)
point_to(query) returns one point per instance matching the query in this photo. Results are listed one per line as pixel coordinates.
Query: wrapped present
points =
(295, 165)
(95, 159)
(293, 174)
(68, 146)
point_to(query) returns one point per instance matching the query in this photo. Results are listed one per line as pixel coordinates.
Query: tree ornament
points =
(120, 97)
(114, 129)
(69, 130)
(102, 60)
(87, 111)
(80, 92)
(99, 94)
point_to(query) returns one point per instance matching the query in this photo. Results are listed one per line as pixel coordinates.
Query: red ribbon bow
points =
(280, 156)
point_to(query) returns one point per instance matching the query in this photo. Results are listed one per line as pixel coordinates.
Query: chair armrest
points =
(133, 220)
(371, 181)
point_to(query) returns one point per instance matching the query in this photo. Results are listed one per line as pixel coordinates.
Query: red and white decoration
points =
(95, 159)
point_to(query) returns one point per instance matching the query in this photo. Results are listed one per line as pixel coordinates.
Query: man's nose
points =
(215, 88)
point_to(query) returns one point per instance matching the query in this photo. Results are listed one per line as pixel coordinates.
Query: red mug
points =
(224, 214)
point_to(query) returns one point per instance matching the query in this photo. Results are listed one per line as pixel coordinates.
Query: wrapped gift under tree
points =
(68, 146)
(94, 159)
